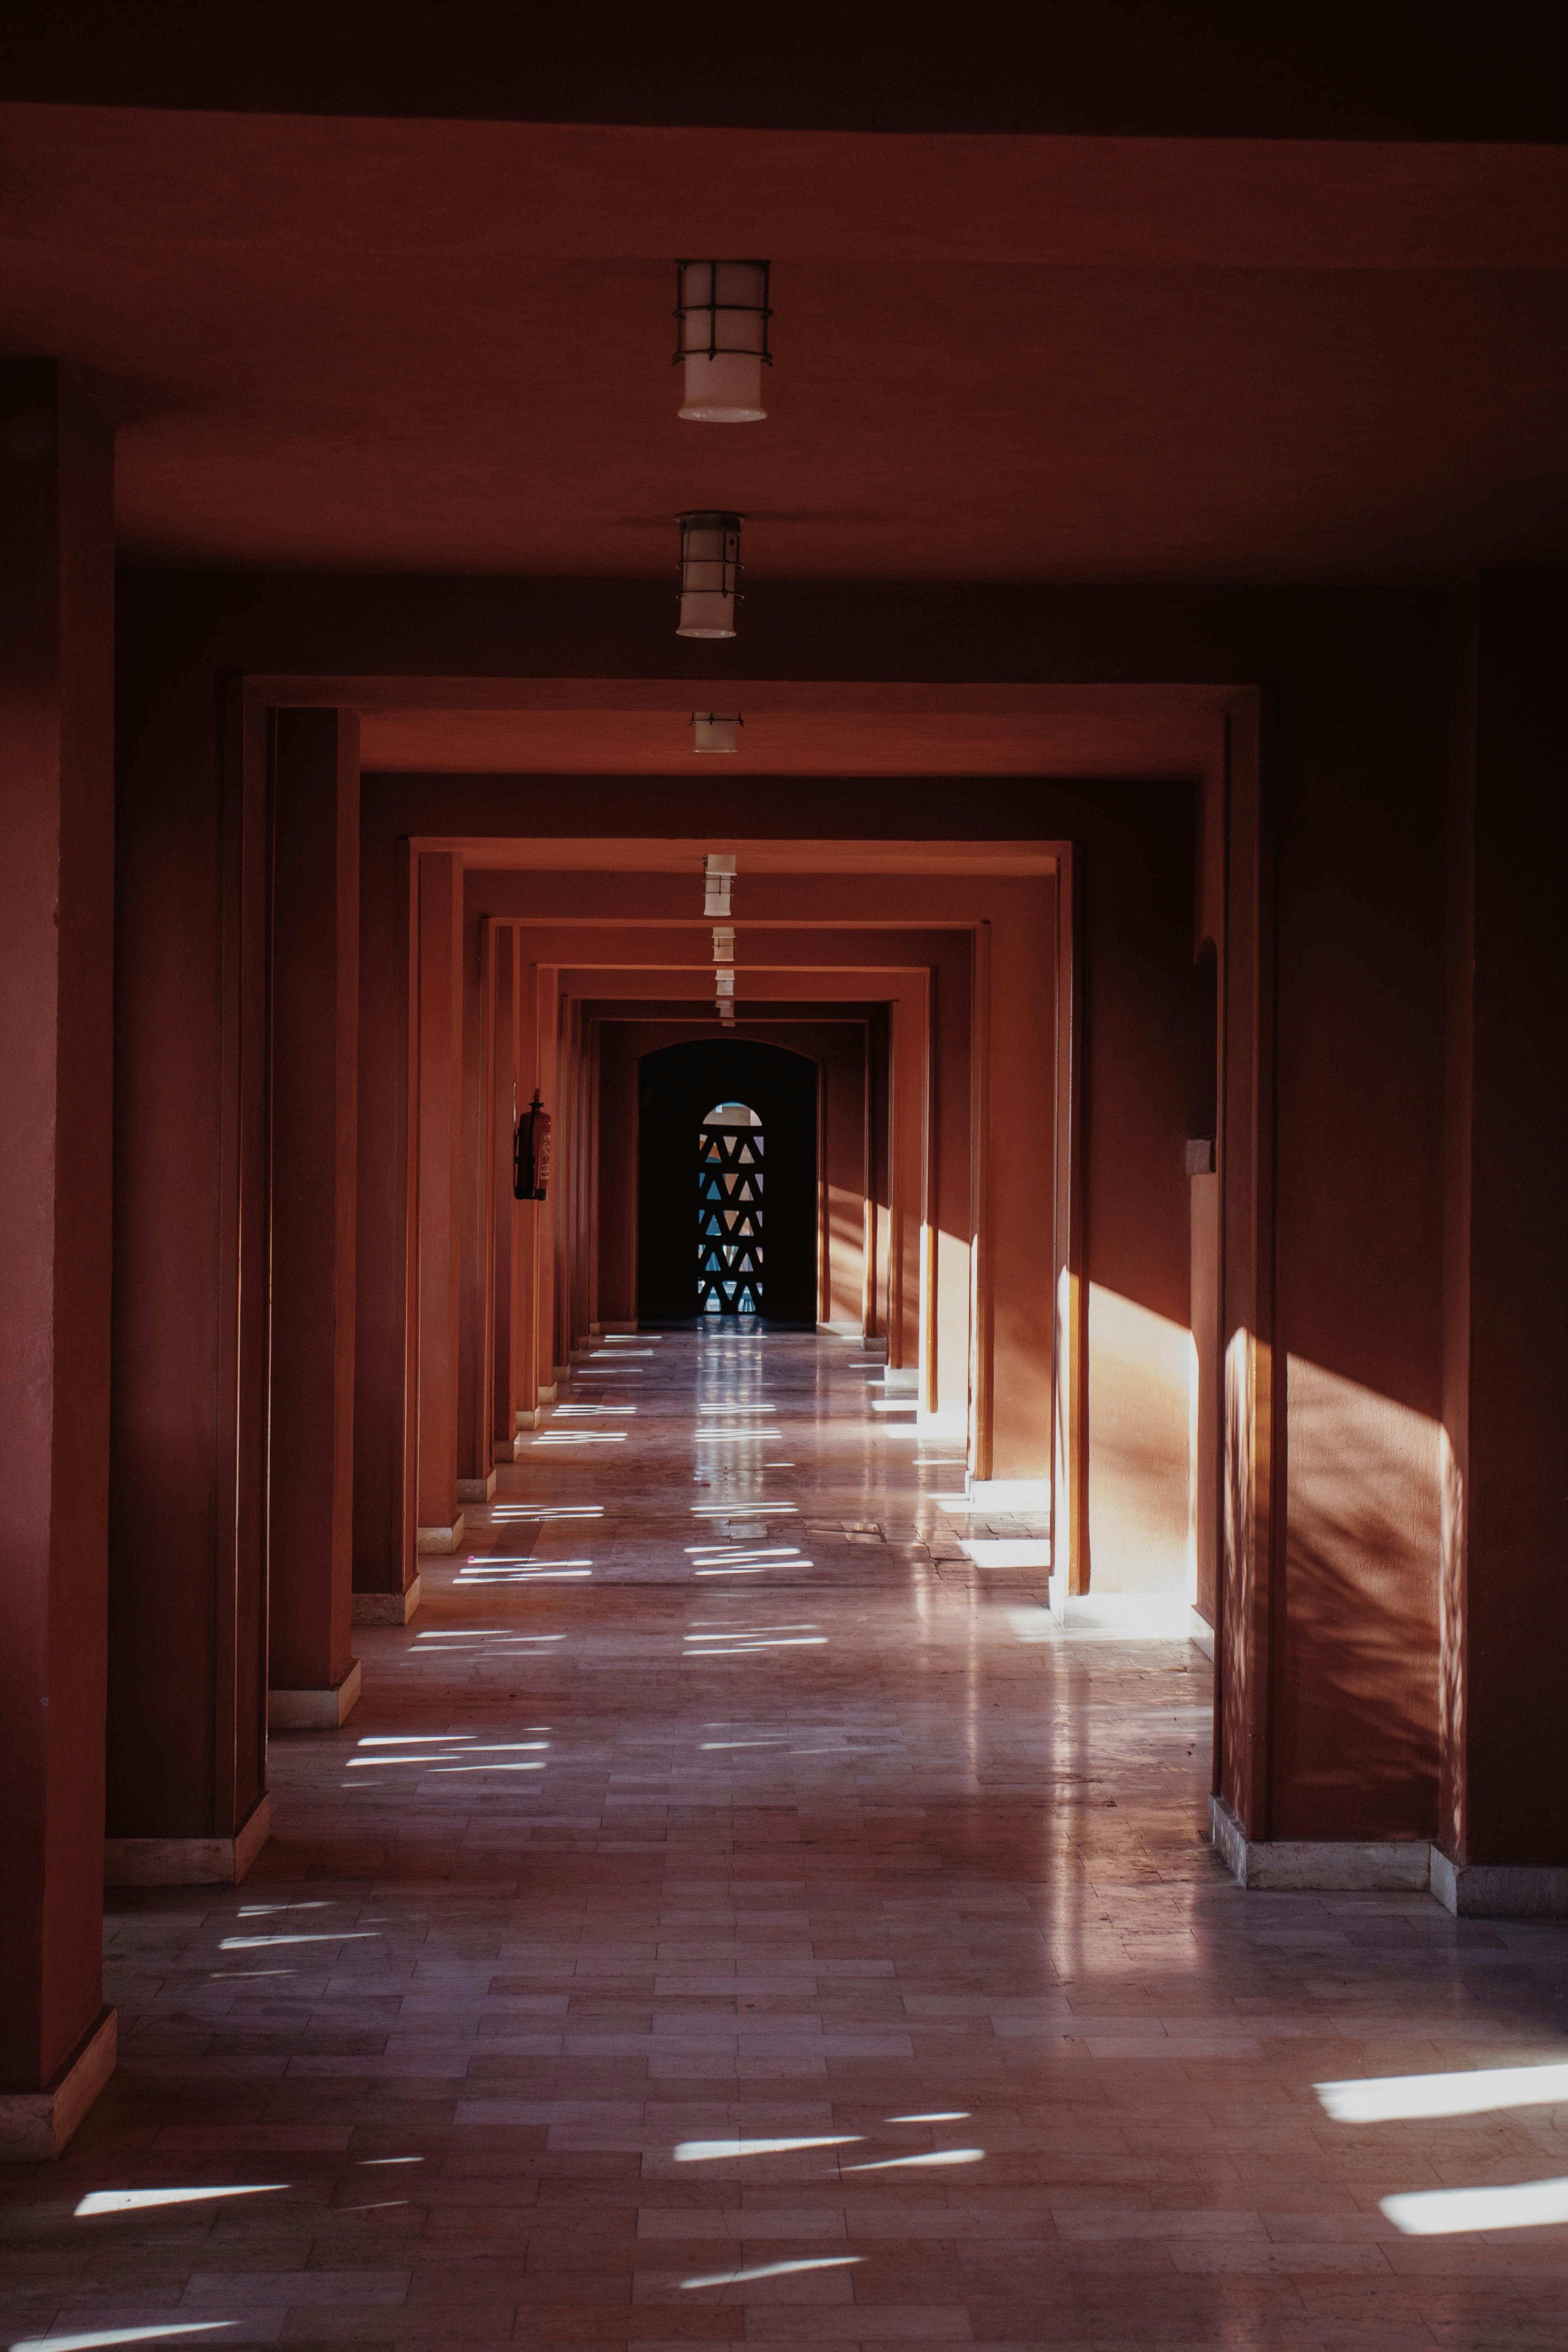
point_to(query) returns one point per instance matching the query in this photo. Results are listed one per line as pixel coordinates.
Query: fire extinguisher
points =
(531, 1152)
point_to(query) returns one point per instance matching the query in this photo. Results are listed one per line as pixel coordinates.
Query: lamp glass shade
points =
(705, 612)
(710, 733)
(726, 389)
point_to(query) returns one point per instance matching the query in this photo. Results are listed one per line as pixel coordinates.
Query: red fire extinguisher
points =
(531, 1152)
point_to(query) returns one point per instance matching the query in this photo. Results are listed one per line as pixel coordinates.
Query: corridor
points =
(734, 1913)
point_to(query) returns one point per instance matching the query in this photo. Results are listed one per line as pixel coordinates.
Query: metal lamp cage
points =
(739, 289)
(712, 569)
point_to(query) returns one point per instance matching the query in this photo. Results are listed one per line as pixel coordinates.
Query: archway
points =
(750, 1091)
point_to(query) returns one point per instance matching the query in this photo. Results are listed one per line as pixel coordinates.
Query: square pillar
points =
(477, 1218)
(439, 1021)
(313, 1680)
(502, 1126)
(1503, 1845)
(57, 856)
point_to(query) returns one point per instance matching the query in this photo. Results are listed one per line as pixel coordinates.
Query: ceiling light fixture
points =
(710, 571)
(718, 881)
(721, 308)
(716, 731)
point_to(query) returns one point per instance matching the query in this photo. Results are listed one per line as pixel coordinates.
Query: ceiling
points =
(1183, 741)
(361, 345)
(1401, 69)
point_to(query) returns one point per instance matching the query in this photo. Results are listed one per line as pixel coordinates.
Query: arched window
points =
(730, 1211)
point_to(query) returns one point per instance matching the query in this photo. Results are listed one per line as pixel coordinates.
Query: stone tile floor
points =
(732, 1917)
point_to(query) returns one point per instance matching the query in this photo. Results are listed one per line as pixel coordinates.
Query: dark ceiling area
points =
(1228, 69)
(439, 346)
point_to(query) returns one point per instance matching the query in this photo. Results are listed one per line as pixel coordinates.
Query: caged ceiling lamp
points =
(709, 574)
(721, 309)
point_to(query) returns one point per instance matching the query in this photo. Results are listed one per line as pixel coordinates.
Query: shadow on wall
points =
(1142, 1407)
(1359, 1662)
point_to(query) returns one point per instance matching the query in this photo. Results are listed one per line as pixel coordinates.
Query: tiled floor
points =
(732, 1917)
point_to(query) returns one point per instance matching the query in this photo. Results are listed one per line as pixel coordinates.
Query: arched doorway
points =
(691, 1174)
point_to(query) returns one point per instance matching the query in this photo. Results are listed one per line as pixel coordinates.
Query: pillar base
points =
(188, 1862)
(314, 1710)
(612, 1330)
(1317, 1866)
(437, 1541)
(503, 1448)
(1031, 1496)
(1500, 1890)
(562, 1373)
(477, 1490)
(386, 1608)
(902, 1380)
(548, 1391)
(34, 2126)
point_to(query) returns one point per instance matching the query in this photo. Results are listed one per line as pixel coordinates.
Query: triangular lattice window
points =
(729, 1237)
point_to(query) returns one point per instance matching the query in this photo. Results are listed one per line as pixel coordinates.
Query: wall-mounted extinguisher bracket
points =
(530, 1153)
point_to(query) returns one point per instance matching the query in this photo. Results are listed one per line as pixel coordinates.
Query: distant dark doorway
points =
(705, 1109)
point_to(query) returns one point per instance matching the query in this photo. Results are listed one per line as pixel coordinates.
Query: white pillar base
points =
(1028, 1496)
(35, 2126)
(188, 1862)
(386, 1608)
(477, 1490)
(437, 1541)
(1500, 1890)
(902, 1380)
(314, 1710)
(1319, 1866)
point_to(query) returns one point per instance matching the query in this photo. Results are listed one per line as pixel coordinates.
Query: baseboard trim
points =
(1028, 1494)
(1319, 1866)
(437, 1542)
(1500, 1890)
(37, 2127)
(326, 1709)
(188, 1862)
(477, 1490)
(386, 1608)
